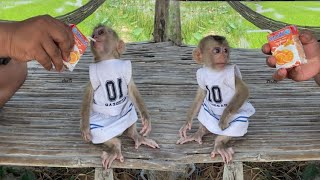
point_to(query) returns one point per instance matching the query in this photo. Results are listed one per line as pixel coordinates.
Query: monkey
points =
(110, 98)
(221, 98)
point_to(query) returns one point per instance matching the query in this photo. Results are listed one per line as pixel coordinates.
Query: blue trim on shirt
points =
(99, 126)
(217, 117)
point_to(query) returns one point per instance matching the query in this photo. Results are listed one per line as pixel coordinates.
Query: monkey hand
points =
(223, 124)
(146, 126)
(183, 130)
(86, 134)
(224, 120)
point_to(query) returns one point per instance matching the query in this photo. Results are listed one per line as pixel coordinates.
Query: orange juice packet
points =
(286, 47)
(80, 45)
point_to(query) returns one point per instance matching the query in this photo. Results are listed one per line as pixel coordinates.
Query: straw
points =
(91, 39)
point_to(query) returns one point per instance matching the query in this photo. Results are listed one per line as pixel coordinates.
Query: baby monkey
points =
(221, 98)
(110, 98)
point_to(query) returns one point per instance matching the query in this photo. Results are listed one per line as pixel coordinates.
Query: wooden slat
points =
(40, 124)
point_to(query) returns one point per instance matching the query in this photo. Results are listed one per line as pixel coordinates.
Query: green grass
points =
(22, 9)
(133, 19)
(203, 18)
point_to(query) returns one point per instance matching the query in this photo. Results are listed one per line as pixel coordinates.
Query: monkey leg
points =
(113, 152)
(17, 71)
(138, 139)
(197, 136)
(220, 147)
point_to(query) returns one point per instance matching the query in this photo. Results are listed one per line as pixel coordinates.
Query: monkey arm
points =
(137, 100)
(86, 106)
(241, 95)
(196, 104)
(194, 109)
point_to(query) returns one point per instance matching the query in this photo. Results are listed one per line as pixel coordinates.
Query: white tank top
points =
(110, 79)
(220, 86)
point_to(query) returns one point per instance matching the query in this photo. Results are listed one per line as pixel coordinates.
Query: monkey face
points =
(215, 55)
(105, 43)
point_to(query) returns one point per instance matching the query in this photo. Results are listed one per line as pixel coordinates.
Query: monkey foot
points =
(145, 141)
(190, 138)
(108, 158)
(226, 153)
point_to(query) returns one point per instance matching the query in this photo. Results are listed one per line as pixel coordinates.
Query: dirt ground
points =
(252, 171)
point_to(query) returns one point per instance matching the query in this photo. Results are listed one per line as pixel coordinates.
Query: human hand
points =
(302, 72)
(43, 38)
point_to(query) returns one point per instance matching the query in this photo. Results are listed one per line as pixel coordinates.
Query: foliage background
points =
(133, 19)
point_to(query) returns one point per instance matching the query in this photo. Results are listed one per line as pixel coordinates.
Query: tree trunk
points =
(161, 20)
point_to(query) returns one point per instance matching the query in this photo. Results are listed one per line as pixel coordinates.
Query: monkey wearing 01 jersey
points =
(110, 98)
(221, 99)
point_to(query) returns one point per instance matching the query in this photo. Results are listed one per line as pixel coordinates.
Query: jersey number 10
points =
(215, 93)
(111, 90)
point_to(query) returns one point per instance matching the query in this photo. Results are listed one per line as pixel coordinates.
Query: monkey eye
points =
(100, 32)
(216, 50)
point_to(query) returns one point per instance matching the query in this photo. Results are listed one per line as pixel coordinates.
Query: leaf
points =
(210, 21)
(197, 35)
(137, 31)
(310, 172)
(28, 175)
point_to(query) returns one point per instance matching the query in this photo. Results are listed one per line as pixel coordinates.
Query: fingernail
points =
(67, 60)
(280, 72)
(305, 36)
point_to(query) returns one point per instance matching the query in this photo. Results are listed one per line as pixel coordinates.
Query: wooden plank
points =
(233, 171)
(40, 124)
(100, 174)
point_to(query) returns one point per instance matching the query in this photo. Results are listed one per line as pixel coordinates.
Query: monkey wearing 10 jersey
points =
(221, 98)
(110, 98)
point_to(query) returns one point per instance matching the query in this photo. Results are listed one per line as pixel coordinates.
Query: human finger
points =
(271, 61)
(70, 37)
(280, 74)
(61, 35)
(266, 49)
(53, 51)
(306, 37)
(43, 58)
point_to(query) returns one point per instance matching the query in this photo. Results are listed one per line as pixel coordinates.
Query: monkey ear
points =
(121, 47)
(196, 54)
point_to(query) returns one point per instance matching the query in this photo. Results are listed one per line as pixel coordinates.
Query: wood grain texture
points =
(39, 126)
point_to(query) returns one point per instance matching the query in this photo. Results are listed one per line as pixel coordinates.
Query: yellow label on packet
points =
(286, 47)
(80, 45)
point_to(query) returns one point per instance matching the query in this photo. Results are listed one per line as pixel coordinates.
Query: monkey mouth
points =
(221, 63)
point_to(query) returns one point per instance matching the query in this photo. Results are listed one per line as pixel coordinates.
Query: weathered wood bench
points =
(39, 126)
